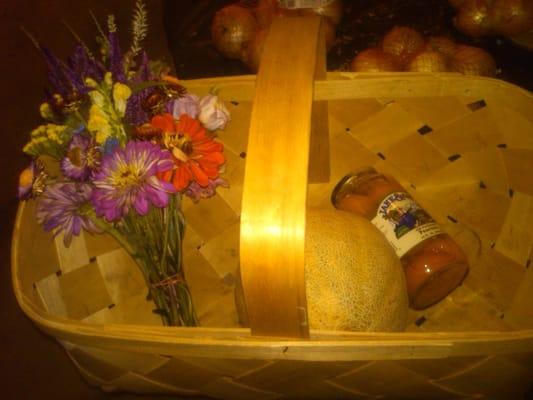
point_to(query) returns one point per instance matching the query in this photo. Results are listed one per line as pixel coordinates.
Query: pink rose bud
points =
(213, 113)
(187, 104)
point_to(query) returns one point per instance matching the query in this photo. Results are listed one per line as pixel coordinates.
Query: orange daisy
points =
(197, 157)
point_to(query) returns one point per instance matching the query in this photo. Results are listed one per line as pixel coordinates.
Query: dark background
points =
(33, 365)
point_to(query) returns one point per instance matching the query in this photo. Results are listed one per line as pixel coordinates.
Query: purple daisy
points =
(61, 209)
(128, 178)
(81, 158)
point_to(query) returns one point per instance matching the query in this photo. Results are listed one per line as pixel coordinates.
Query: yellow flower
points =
(98, 124)
(46, 111)
(39, 131)
(121, 93)
(32, 147)
(108, 78)
(89, 82)
(97, 98)
(49, 132)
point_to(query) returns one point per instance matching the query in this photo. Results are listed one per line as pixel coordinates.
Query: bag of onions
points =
(405, 49)
(239, 30)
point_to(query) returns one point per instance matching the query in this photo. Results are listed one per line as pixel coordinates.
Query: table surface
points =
(33, 365)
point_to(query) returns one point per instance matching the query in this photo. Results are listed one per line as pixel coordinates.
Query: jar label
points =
(403, 222)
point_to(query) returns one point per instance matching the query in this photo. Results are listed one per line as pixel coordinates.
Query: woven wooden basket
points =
(462, 145)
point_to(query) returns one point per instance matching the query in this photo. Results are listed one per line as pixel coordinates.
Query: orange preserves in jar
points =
(433, 263)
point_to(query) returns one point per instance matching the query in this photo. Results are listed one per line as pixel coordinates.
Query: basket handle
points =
(275, 181)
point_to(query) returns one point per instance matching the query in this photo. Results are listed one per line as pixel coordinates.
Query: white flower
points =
(213, 113)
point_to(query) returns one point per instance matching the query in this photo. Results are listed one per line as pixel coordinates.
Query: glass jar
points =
(433, 263)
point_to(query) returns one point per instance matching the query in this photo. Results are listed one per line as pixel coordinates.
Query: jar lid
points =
(349, 182)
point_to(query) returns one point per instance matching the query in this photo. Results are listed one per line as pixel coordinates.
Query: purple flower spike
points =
(144, 73)
(57, 75)
(80, 159)
(60, 209)
(187, 104)
(115, 56)
(128, 178)
(84, 66)
(135, 113)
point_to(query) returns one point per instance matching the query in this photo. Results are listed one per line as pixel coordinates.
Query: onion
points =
(375, 60)
(473, 18)
(428, 61)
(512, 17)
(233, 26)
(403, 42)
(442, 44)
(470, 60)
(251, 55)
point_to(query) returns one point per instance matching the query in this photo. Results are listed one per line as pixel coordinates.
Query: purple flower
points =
(197, 192)
(144, 73)
(187, 104)
(115, 57)
(61, 209)
(213, 113)
(128, 178)
(84, 65)
(81, 158)
(32, 181)
(135, 112)
(59, 76)
(68, 79)
(110, 145)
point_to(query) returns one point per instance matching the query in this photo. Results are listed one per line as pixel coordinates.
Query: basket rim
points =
(354, 85)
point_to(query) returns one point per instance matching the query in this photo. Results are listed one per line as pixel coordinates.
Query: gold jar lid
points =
(351, 181)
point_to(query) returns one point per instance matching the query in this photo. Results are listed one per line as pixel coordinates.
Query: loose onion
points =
(442, 44)
(470, 60)
(403, 42)
(375, 60)
(512, 17)
(428, 61)
(473, 18)
(233, 26)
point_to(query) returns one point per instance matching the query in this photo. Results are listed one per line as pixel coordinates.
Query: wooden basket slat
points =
(452, 378)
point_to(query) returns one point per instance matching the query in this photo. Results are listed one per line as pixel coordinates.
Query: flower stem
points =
(155, 243)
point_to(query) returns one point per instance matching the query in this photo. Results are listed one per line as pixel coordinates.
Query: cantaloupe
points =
(354, 280)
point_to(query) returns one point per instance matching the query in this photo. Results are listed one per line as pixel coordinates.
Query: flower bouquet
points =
(122, 143)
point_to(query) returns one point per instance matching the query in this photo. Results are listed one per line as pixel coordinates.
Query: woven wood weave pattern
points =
(454, 378)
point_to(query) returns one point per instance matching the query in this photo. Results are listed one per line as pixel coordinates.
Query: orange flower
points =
(197, 157)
